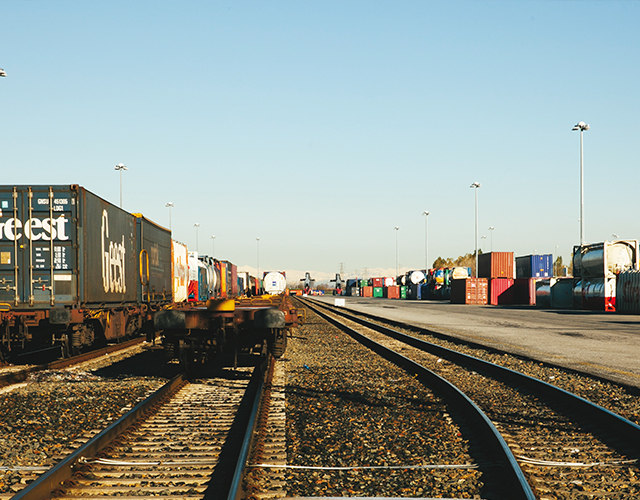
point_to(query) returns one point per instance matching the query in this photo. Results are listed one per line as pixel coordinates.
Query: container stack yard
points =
(606, 277)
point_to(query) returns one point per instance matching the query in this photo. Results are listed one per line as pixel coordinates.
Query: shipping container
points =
(534, 266)
(387, 282)
(628, 292)
(352, 291)
(496, 265)
(154, 251)
(524, 291)
(606, 259)
(403, 292)
(365, 283)
(458, 273)
(179, 271)
(378, 291)
(501, 291)
(469, 291)
(392, 292)
(367, 291)
(63, 245)
(377, 282)
(193, 277)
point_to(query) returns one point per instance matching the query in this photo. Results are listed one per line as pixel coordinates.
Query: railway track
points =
(566, 445)
(16, 374)
(184, 441)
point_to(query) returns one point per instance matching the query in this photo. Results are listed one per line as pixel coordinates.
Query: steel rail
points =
(507, 473)
(20, 376)
(235, 492)
(43, 487)
(623, 431)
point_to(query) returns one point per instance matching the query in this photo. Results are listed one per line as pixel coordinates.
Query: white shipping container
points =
(274, 283)
(179, 271)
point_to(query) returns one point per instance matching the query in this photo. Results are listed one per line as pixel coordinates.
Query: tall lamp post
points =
(397, 228)
(476, 185)
(491, 228)
(581, 126)
(196, 225)
(483, 237)
(3, 72)
(426, 241)
(121, 167)
(213, 246)
(258, 257)
(169, 205)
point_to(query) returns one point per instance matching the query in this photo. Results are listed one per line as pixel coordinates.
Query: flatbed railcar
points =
(75, 268)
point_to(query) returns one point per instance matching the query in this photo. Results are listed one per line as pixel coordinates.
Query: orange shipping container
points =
(496, 265)
(392, 292)
(367, 291)
(469, 291)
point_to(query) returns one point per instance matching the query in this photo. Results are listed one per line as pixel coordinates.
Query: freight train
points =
(76, 270)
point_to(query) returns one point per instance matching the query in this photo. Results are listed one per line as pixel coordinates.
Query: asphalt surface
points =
(603, 344)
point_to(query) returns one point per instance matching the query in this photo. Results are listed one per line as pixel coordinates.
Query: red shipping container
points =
(378, 282)
(501, 291)
(524, 291)
(392, 292)
(496, 265)
(367, 291)
(469, 291)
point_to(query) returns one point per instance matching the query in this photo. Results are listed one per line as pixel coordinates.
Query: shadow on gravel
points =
(151, 363)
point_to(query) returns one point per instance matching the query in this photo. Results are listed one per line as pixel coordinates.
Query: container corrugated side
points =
(469, 291)
(496, 265)
(154, 247)
(534, 266)
(392, 292)
(501, 291)
(366, 291)
(378, 291)
(628, 292)
(524, 291)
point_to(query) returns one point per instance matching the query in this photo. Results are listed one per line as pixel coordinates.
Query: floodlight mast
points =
(581, 126)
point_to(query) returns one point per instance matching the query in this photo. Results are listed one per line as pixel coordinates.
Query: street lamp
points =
(121, 167)
(426, 241)
(258, 255)
(170, 206)
(483, 237)
(397, 261)
(196, 225)
(491, 228)
(615, 236)
(213, 246)
(581, 126)
(476, 185)
(3, 72)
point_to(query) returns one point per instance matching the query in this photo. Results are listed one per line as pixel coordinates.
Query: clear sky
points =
(320, 126)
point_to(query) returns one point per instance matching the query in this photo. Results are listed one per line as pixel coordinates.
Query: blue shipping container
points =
(534, 266)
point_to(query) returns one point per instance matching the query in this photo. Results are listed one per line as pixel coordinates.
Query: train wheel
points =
(279, 342)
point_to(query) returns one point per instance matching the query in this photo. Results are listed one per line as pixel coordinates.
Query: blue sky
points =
(320, 126)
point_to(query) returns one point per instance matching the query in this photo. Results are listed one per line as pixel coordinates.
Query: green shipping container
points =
(403, 292)
(377, 291)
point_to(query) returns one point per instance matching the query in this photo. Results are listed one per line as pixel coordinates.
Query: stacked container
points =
(501, 291)
(366, 291)
(595, 268)
(496, 265)
(392, 292)
(534, 266)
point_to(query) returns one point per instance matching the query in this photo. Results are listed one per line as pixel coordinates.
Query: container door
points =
(37, 257)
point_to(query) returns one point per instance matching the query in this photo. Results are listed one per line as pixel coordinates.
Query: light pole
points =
(3, 72)
(397, 228)
(491, 228)
(614, 235)
(121, 167)
(258, 257)
(169, 205)
(213, 246)
(483, 237)
(581, 126)
(556, 268)
(426, 241)
(476, 185)
(196, 225)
